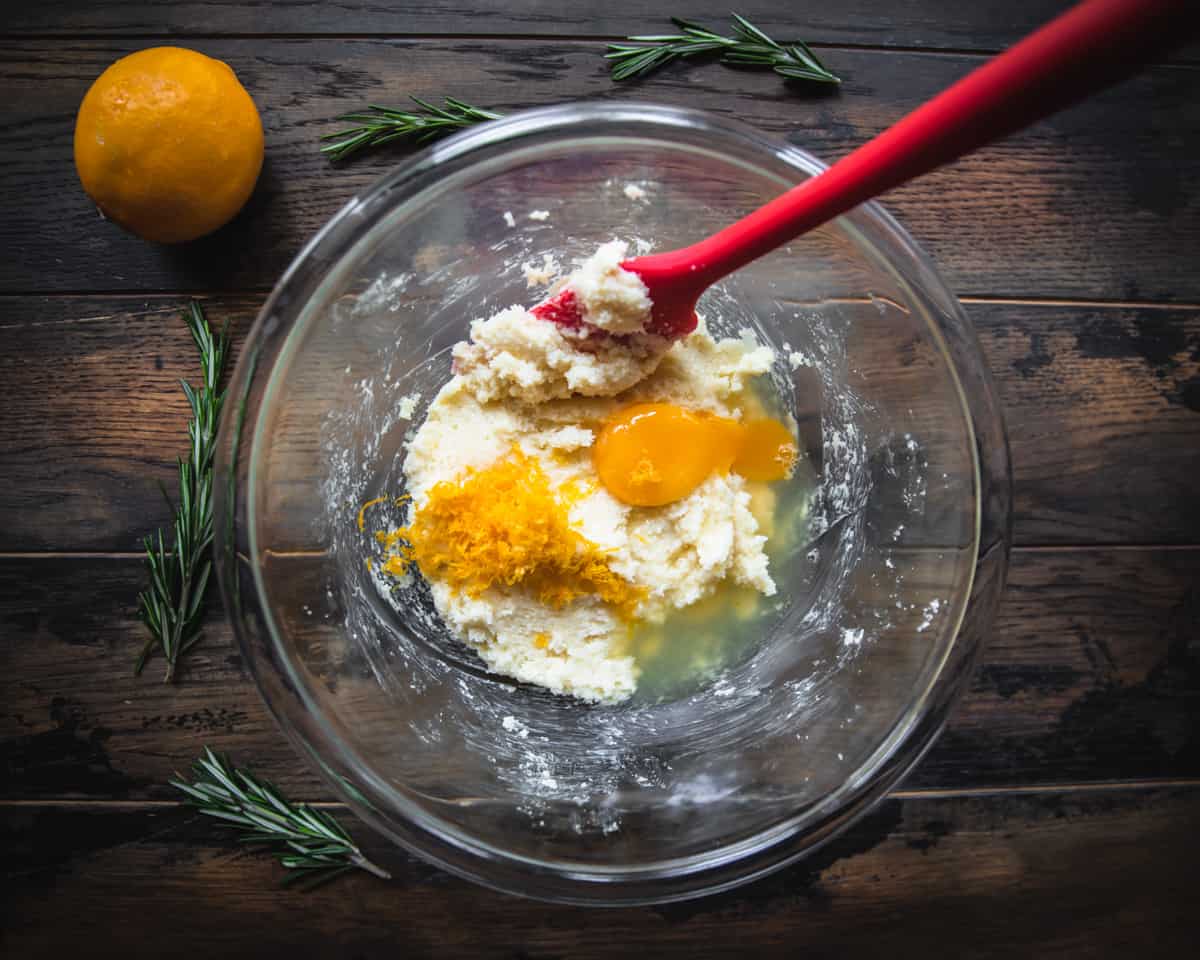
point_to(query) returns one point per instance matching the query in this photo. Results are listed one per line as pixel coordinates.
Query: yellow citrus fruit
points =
(168, 144)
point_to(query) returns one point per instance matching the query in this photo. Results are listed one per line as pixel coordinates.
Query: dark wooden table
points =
(1059, 815)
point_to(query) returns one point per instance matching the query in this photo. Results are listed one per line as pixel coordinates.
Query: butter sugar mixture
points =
(569, 485)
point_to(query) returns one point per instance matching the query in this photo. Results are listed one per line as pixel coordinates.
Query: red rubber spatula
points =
(1089, 47)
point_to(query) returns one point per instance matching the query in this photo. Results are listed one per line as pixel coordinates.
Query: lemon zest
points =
(362, 512)
(505, 526)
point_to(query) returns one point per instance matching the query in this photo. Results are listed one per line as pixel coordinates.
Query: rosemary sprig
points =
(748, 47)
(307, 841)
(172, 607)
(376, 125)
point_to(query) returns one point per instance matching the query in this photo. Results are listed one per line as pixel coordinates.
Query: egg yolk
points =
(767, 453)
(650, 454)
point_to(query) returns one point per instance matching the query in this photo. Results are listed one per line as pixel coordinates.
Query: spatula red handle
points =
(1089, 47)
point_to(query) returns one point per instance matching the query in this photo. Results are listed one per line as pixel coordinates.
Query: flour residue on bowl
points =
(553, 754)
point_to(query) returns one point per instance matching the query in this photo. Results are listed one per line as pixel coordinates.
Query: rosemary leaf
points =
(172, 605)
(309, 843)
(377, 125)
(748, 47)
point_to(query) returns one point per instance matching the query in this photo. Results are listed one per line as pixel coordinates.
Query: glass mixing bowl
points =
(888, 578)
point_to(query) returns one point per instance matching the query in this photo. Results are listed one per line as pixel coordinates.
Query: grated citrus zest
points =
(362, 512)
(505, 526)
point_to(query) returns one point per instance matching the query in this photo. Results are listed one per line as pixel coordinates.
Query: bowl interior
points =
(874, 548)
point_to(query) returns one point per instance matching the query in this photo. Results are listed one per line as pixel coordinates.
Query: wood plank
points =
(90, 431)
(1072, 874)
(1097, 203)
(1091, 675)
(922, 23)
(1102, 409)
(1103, 414)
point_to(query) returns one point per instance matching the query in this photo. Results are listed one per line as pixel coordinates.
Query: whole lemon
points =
(168, 144)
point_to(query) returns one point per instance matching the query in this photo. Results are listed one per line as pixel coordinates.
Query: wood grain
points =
(1103, 414)
(1096, 203)
(1092, 674)
(1073, 874)
(916, 23)
(1010, 839)
(91, 430)
(1103, 408)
